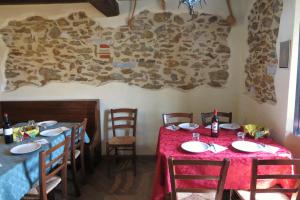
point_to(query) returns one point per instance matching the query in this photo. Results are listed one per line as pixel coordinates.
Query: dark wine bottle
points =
(215, 124)
(7, 130)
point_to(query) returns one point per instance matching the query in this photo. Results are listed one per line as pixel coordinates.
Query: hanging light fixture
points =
(191, 4)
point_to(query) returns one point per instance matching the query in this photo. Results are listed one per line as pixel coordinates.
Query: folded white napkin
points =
(41, 141)
(172, 128)
(208, 126)
(215, 148)
(63, 128)
(268, 148)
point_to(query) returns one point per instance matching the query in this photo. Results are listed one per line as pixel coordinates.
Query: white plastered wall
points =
(150, 103)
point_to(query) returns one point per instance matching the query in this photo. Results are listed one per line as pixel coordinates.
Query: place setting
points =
(196, 146)
(226, 126)
(188, 126)
(252, 147)
(230, 126)
(53, 132)
(244, 145)
(25, 148)
(28, 147)
(183, 126)
(46, 124)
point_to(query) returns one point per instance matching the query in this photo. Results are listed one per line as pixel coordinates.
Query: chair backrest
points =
(60, 163)
(220, 178)
(224, 117)
(255, 176)
(123, 118)
(77, 137)
(179, 117)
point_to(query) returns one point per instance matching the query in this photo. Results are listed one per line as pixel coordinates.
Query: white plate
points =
(188, 126)
(25, 148)
(230, 126)
(47, 123)
(246, 146)
(194, 146)
(51, 132)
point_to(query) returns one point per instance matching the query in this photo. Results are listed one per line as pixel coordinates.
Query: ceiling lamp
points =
(191, 4)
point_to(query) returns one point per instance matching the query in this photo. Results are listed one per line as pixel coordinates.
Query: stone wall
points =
(161, 50)
(262, 62)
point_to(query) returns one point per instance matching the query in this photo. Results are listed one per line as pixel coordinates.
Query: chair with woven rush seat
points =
(123, 120)
(224, 117)
(197, 193)
(168, 118)
(49, 181)
(276, 193)
(77, 149)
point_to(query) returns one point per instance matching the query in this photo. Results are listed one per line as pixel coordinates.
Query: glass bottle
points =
(7, 130)
(215, 124)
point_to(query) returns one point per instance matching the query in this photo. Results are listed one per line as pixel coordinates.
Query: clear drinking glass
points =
(196, 136)
(241, 135)
(31, 123)
(19, 138)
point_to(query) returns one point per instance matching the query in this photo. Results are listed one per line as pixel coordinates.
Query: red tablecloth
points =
(239, 172)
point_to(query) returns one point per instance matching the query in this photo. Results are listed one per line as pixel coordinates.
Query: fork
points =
(263, 145)
(212, 145)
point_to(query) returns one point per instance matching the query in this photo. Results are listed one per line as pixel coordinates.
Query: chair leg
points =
(134, 160)
(51, 195)
(64, 192)
(75, 181)
(230, 194)
(117, 160)
(82, 165)
(168, 196)
(64, 186)
(108, 161)
(91, 160)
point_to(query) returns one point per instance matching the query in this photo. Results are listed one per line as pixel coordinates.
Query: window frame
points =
(297, 99)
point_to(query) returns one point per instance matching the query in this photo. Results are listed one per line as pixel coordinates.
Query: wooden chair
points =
(277, 193)
(49, 181)
(122, 119)
(77, 149)
(224, 117)
(197, 193)
(179, 117)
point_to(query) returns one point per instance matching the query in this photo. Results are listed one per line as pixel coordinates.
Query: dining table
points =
(18, 172)
(239, 172)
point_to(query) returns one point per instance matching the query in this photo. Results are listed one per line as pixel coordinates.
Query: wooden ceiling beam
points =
(107, 7)
(23, 2)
